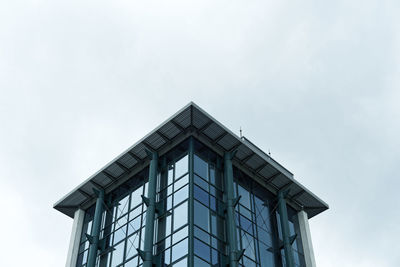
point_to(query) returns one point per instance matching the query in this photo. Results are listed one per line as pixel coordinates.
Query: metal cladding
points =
(191, 120)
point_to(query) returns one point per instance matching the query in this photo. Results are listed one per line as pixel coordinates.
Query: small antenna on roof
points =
(269, 152)
(240, 132)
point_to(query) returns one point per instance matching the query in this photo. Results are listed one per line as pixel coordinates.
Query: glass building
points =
(191, 193)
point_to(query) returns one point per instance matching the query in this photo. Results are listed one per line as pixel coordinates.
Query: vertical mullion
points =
(191, 204)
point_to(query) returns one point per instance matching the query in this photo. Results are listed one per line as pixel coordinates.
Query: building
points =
(191, 193)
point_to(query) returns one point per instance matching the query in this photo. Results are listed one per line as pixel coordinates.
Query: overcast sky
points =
(315, 82)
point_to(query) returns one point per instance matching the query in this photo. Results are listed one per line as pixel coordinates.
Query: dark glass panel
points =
(264, 236)
(201, 195)
(213, 203)
(202, 250)
(266, 257)
(214, 256)
(245, 197)
(246, 224)
(200, 234)
(200, 182)
(200, 263)
(200, 167)
(201, 216)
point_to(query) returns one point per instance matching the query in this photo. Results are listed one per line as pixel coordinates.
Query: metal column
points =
(285, 229)
(234, 254)
(95, 233)
(150, 201)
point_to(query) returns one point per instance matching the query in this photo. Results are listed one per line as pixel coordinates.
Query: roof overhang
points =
(191, 120)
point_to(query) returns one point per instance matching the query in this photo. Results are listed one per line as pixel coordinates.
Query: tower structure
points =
(191, 193)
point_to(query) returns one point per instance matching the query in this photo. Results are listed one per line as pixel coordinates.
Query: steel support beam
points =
(234, 254)
(285, 228)
(95, 233)
(147, 253)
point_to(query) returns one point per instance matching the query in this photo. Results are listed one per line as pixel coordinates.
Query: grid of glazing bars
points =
(190, 182)
(209, 223)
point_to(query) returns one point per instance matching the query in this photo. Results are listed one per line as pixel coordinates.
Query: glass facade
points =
(190, 225)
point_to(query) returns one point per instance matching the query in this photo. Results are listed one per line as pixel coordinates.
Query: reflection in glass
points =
(118, 254)
(181, 263)
(202, 250)
(180, 215)
(180, 250)
(200, 167)
(201, 216)
(181, 234)
(181, 167)
(200, 263)
(181, 195)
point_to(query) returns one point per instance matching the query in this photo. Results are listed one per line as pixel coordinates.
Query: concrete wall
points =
(306, 239)
(75, 238)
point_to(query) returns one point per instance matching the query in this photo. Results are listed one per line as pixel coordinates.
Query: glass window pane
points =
(134, 225)
(118, 254)
(170, 175)
(119, 234)
(132, 243)
(246, 225)
(202, 250)
(201, 195)
(181, 263)
(248, 245)
(179, 250)
(181, 182)
(201, 214)
(181, 234)
(135, 212)
(168, 225)
(181, 167)
(123, 206)
(213, 203)
(132, 263)
(200, 263)
(212, 175)
(244, 211)
(214, 224)
(200, 234)
(245, 197)
(121, 221)
(264, 236)
(200, 167)
(167, 257)
(266, 257)
(181, 195)
(136, 198)
(169, 202)
(214, 256)
(200, 182)
(180, 215)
